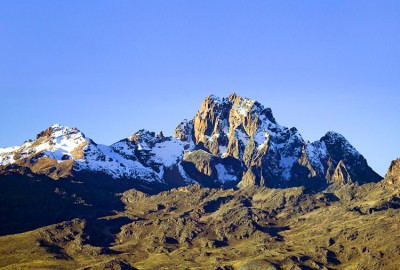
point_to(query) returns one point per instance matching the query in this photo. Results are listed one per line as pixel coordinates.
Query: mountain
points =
(155, 202)
(232, 141)
(270, 154)
(51, 226)
(61, 152)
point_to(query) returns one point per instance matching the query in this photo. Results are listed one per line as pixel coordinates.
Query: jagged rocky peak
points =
(342, 153)
(270, 154)
(393, 174)
(245, 106)
(244, 129)
(225, 125)
(145, 139)
(230, 141)
(184, 131)
(338, 146)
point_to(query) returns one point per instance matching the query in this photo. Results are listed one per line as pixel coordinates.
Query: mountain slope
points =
(60, 152)
(231, 141)
(270, 154)
(354, 227)
(70, 203)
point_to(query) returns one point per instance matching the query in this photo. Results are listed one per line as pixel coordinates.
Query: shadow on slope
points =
(31, 202)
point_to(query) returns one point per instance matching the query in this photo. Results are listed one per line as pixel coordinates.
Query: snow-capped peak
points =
(338, 141)
(57, 142)
(58, 130)
(239, 134)
(335, 136)
(61, 142)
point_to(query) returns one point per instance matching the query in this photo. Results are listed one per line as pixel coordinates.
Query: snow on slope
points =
(236, 122)
(224, 175)
(316, 153)
(284, 143)
(62, 143)
(58, 144)
(102, 158)
(168, 152)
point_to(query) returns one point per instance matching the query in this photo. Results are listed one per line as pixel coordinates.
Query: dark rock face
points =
(345, 157)
(231, 141)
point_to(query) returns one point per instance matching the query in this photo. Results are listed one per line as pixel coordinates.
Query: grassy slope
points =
(198, 228)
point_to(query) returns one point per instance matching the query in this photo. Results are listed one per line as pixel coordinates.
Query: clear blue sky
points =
(113, 67)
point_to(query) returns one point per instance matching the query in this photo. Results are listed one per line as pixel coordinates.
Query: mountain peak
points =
(58, 130)
(242, 105)
(332, 135)
(143, 138)
(243, 129)
(213, 99)
(230, 139)
(339, 143)
(232, 97)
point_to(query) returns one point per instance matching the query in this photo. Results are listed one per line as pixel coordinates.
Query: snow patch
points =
(245, 106)
(286, 164)
(316, 152)
(168, 152)
(242, 136)
(223, 174)
(260, 137)
(222, 150)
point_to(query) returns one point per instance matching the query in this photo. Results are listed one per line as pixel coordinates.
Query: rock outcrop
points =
(393, 174)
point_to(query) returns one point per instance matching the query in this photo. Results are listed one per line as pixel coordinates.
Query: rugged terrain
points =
(233, 189)
(347, 227)
(232, 141)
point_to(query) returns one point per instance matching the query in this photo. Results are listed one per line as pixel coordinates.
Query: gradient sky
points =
(111, 68)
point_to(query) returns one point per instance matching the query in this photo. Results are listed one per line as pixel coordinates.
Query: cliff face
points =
(270, 154)
(244, 130)
(230, 141)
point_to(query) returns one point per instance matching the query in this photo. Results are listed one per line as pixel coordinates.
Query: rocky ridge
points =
(270, 154)
(96, 218)
(231, 141)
